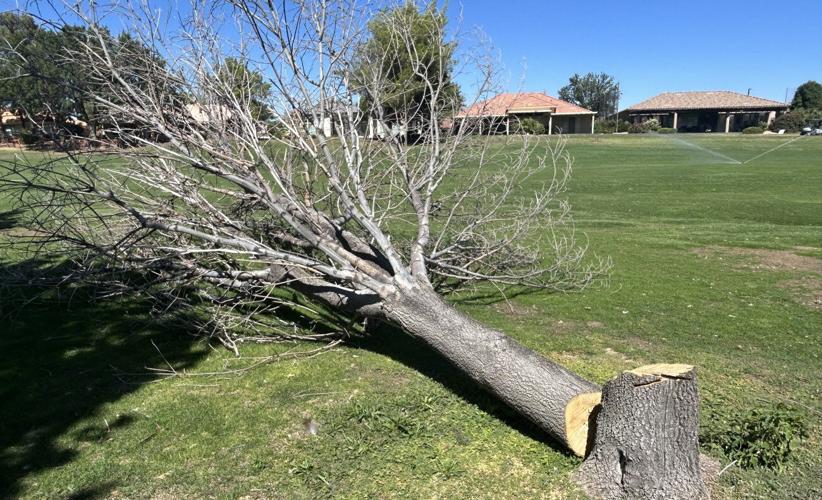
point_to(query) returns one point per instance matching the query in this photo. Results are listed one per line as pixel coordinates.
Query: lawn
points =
(716, 263)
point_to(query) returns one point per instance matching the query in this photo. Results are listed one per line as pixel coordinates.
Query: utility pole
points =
(789, 92)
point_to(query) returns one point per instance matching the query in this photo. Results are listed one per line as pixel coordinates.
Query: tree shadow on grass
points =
(63, 357)
(492, 296)
(9, 219)
(413, 353)
(389, 341)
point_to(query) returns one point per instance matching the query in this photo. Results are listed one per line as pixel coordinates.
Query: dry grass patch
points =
(807, 290)
(513, 310)
(770, 260)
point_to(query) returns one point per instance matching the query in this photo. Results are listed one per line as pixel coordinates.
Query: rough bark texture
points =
(529, 383)
(646, 437)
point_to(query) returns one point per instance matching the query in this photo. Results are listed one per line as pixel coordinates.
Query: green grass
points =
(83, 417)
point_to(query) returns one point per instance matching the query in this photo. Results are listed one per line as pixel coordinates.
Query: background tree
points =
(597, 92)
(403, 80)
(247, 86)
(44, 72)
(284, 237)
(808, 96)
(32, 76)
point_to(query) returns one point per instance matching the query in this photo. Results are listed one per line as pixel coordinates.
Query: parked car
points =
(811, 131)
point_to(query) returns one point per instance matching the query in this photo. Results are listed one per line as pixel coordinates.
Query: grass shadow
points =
(67, 356)
(490, 296)
(63, 360)
(413, 353)
(9, 219)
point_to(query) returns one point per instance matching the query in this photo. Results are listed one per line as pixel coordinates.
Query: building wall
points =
(566, 124)
(706, 120)
(572, 124)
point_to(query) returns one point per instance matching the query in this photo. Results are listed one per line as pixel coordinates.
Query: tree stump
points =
(645, 437)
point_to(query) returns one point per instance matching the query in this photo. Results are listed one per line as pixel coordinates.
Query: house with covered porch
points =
(710, 111)
(502, 114)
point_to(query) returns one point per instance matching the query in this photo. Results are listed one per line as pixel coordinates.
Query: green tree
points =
(247, 86)
(406, 65)
(597, 92)
(41, 74)
(808, 96)
(32, 77)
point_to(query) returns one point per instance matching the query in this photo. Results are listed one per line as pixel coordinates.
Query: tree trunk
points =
(646, 437)
(643, 438)
(552, 397)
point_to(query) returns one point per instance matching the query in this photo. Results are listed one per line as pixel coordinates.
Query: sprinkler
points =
(771, 150)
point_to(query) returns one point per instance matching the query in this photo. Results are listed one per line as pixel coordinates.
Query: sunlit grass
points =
(82, 414)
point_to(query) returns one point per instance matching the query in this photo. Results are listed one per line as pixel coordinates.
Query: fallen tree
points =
(362, 199)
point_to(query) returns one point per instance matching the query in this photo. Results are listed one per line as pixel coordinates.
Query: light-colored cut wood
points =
(577, 414)
(663, 369)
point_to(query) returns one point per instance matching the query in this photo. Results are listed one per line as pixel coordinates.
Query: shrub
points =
(636, 128)
(666, 130)
(752, 130)
(609, 126)
(651, 125)
(604, 126)
(29, 139)
(792, 121)
(531, 127)
(756, 438)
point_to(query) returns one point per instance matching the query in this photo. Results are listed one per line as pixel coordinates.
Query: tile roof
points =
(9, 118)
(521, 102)
(717, 99)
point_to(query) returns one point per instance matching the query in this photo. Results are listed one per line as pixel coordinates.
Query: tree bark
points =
(646, 437)
(546, 393)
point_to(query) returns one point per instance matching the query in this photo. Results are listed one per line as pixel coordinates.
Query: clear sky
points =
(649, 46)
(653, 46)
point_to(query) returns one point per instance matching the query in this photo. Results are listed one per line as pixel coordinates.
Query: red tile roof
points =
(717, 99)
(522, 102)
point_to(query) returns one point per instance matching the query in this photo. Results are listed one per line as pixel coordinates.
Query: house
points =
(203, 114)
(501, 114)
(39, 126)
(711, 111)
(333, 118)
(11, 126)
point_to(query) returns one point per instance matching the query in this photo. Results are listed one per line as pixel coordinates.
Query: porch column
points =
(550, 124)
(507, 125)
(593, 117)
(728, 122)
(771, 117)
(676, 116)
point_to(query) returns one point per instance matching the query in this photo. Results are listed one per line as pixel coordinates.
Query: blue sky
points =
(650, 46)
(654, 46)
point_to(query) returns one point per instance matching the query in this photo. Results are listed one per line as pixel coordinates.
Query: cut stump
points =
(645, 440)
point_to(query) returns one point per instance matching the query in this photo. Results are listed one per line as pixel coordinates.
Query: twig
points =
(726, 468)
